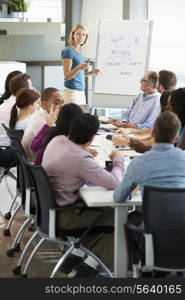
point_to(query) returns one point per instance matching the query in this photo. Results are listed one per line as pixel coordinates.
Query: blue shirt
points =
(144, 110)
(78, 82)
(163, 165)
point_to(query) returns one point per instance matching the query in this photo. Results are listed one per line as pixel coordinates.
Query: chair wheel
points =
(17, 270)
(10, 252)
(7, 216)
(17, 248)
(24, 275)
(6, 232)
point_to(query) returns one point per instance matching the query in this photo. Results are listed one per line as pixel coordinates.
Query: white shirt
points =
(5, 111)
(22, 124)
(36, 121)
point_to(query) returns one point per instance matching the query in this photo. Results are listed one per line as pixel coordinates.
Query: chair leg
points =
(104, 267)
(16, 243)
(61, 261)
(135, 268)
(8, 188)
(17, 269)
(6, 232)
(11, 175)
(8, 214)
(2, 176)
(32, 256)
(20, 233)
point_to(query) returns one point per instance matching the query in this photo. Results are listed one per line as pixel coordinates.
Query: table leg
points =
(120, 248)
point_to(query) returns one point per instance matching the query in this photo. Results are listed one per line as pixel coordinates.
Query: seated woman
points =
(63, 122)
(27, 101)
(176, 104)
(69, 166)
(7, 93)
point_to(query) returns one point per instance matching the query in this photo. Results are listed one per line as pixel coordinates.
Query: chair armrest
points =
(134, 228)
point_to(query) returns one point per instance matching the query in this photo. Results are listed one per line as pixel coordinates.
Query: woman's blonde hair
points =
(73, 30)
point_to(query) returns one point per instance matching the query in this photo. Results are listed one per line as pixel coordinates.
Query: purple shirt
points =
(69, 167)
(40, 142)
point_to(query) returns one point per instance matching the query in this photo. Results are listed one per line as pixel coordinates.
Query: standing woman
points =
(74, 66)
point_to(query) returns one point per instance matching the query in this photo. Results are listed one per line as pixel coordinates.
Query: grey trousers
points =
(102, 244)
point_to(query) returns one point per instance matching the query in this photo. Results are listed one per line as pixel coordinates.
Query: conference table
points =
(95, 196)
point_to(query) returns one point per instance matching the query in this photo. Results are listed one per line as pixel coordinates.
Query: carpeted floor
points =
(46, 257)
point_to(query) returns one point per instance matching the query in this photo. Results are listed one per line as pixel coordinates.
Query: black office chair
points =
(21, 191)
(47, 209)
(7, 171)
(164, 229)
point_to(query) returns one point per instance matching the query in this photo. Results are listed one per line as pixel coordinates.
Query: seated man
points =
(140, 140)
(145, 106)
(69, 166)
(167, 81)
(162, 166)
(49, 97)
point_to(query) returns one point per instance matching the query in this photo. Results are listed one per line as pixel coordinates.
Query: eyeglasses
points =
(143, 80)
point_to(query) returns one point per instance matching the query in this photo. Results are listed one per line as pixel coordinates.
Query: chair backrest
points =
(45, 196)
(15, 142)
(11, 133)
(164, 218)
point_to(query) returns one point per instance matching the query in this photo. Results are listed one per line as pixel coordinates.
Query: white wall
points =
(168, 43)
(94, 10)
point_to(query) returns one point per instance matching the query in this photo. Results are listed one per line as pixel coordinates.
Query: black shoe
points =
(85, 271)
(71, 262)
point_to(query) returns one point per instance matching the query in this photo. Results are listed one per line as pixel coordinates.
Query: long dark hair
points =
(7, 93)
(164, 100)
(24, 98)
(177, 101)
(67, 115)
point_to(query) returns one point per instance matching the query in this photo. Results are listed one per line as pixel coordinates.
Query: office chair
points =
(164, 230)
(7, 171)
(26, 192)
(47, 210)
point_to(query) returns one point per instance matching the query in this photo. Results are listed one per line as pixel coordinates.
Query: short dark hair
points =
(7, 92)
(19, 81)
(83, 129)
(177, 101)
(47, 93)
(167, 79)
(166, 127)
(153, 78)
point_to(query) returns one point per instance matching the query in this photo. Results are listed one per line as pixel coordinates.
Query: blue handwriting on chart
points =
(122, 54)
